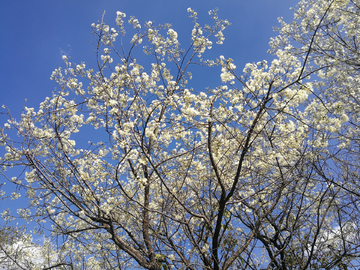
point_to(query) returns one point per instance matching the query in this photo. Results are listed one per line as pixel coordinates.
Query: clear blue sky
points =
(35, 34)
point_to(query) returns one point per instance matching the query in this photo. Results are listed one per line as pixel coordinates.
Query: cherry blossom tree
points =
(132, 166)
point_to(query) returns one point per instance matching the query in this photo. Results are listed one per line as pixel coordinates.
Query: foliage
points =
(260, 171)
(19, 251)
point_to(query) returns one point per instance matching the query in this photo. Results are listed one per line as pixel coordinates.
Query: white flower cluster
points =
(227, 70)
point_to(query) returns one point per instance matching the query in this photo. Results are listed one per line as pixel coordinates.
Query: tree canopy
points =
(131, 165)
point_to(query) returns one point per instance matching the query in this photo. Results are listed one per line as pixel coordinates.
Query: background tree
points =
(19, 251)
(175, 177)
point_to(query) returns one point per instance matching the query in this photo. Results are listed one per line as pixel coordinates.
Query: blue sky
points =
(35, 34)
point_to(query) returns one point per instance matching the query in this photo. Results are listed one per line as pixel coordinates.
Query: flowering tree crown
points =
(257, 171)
